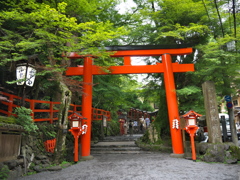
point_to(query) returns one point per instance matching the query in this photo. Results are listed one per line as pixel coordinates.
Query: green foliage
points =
(41, 29)
(113, 128)
(96, 130)
(7, 120)
(196, 23)
(116, 92)
(161, 122)
(45, 27)
(185, 32)
(47, 131)
(235, 152)
(65, 162)
(24, 119)
(145, 138)
(162, 145)
(189, 90)
(4, 171)
(31, 173)
(187, 98)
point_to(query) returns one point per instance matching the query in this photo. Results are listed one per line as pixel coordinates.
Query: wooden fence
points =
(45, 110)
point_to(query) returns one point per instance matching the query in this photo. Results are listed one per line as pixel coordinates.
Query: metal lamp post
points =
(25, 74)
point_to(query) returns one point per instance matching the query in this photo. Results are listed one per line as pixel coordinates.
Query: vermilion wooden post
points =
(74, 108)
(51, 112)
(193, 146)
(76, 159)
(32, 107)
(172, 104)
(87, 106)
(10, 105)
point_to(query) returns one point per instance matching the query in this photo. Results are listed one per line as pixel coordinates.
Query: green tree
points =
(29, 28)
(208, 27)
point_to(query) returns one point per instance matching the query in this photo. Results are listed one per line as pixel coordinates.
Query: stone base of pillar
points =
(86, 158)
(177, 155)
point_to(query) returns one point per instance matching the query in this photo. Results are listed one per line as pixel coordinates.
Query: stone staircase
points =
(118, 145)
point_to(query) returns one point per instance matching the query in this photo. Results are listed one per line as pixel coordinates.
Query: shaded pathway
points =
(141, 167)
(152, 166)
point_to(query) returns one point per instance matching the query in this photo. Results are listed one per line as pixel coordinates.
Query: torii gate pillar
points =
(172, 104)
(87, 107)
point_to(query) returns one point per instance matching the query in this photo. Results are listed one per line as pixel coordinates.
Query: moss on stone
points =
(219, 152)
(7, 120)
(160, 146)
(235, 152)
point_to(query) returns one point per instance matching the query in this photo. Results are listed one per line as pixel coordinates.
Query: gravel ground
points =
(155, 166)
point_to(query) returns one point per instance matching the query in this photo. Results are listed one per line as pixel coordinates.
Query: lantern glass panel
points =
(191, 122)
(31, 72)
(21, 74)
(75, 124)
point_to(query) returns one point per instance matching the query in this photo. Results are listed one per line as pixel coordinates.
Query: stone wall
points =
(32, 157)
(31, 153)
(219, 152)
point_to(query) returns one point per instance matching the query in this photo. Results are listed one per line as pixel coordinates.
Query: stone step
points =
(113, 140)
(100, 146)
(115, 143)
(115, 149)
(120, 152)
(122, 138)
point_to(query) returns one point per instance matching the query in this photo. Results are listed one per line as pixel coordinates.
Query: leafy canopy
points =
(39, 29)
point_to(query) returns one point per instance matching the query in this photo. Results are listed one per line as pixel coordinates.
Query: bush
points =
(235, 151)
(4, 171)
(113, 128)
(47, 131)
(7, 120)
(24, 119)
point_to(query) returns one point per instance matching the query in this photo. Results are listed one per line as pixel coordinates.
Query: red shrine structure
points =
(88, 69)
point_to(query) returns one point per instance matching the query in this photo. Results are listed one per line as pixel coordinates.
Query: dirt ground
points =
(154, 166)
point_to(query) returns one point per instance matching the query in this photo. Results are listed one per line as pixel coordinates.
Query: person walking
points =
(125, 127)
(237, 122)
(135, 126)
(147, 121)
(130, 127)
(141, 121)
(121, 122)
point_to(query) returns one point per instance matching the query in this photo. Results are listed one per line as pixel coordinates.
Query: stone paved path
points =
(154, 166)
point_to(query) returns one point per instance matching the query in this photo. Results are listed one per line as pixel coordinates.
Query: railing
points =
(46, 110)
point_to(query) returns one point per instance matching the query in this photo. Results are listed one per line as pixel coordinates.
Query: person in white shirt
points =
(142, 124)
(147, 121)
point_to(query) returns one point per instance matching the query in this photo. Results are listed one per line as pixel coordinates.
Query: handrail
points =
(51, 109)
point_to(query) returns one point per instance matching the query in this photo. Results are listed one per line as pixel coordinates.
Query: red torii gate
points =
(166, 67)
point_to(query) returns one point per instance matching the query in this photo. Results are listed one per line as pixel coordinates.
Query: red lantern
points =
(75, 121)
(191, 128)
(77, 129)
(191, 120)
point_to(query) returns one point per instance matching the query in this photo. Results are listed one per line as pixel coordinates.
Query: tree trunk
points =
(62, 122)
(219, 17)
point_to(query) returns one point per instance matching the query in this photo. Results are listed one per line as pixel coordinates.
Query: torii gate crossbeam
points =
(166, 67)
